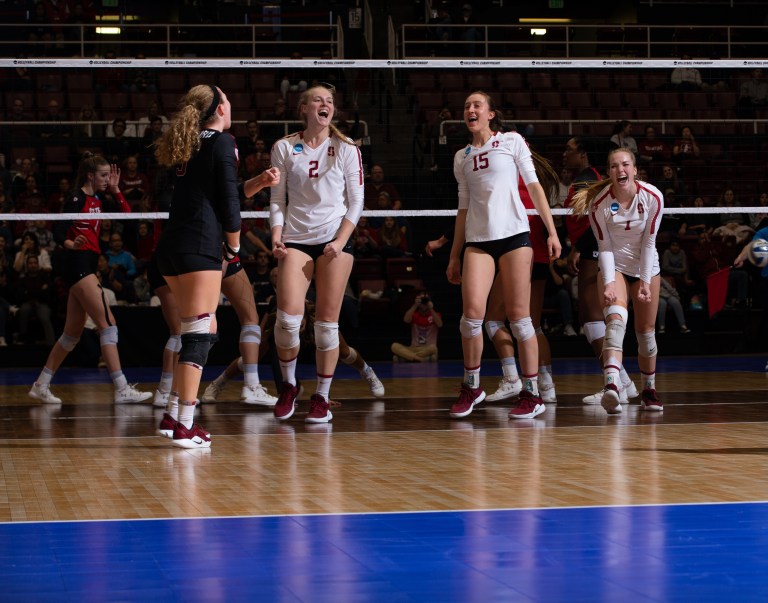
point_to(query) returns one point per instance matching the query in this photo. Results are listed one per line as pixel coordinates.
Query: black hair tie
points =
(214, 104)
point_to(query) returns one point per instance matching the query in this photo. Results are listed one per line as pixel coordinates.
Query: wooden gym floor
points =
(393, 500)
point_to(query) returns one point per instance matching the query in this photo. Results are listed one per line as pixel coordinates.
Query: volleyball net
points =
(405, 115)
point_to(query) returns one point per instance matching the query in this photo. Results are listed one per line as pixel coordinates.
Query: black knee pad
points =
(195, 348)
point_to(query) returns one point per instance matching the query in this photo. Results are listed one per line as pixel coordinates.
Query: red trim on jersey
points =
(658, 206)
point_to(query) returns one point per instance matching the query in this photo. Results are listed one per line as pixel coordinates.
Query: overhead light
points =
(538, 31)
(108, 31)
(552, 20)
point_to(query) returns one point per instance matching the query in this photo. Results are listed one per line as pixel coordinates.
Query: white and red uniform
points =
(488, 186)
(325, 184)
(626, 238)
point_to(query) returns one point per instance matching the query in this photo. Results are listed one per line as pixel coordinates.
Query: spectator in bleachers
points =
(108, 227)
(696, 224)
(753, 94)
(120, 258)
(143, 243)
(113, 278)
(30, 200)
(81, 13)
(293, 80)
(44, 235)
(365, 239)
(143, 80)
(26, 167)
(133, 184)
(54, 131)
(255, 163)
(622, 136)
(438, 32)
(58, 197)
(112, 79)
(29, 245)
(377, 184)
(685, 146)
(685, 78)
(20, 80)
(716, 79)
(152, 133)
(736, 223)
(470, 33)
(247, 144)
(88, 129)
(6, 253)
(652, 150)
(120, 146)
(34, 295)
(674, 265)
(273, 132)
(14, 132)
(6, 203)
(154, 110)
(670, 179)
(393, 242)
(758, 221)
(669, 297)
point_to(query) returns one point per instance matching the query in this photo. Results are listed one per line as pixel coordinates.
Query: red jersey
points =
(89, 227)
(578, 225)
(539, 233)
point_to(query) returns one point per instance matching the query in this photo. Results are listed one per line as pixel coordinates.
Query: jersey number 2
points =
(313, 165)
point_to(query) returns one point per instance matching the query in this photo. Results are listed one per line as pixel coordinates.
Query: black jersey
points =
(206, 202)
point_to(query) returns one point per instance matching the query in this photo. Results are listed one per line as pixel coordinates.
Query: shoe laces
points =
(318, 403)
(527, 400)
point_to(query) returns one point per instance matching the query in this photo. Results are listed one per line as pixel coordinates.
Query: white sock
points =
(509, 368)
(251, 374)
(119, 380)
(45, 377)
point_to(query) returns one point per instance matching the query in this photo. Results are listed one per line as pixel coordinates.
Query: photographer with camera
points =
(425, 323)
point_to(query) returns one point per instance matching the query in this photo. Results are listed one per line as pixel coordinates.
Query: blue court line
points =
(680, 553)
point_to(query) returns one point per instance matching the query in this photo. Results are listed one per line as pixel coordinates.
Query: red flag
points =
(717, 289)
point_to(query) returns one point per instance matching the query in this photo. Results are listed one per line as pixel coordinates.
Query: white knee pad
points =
(326, 335)
(68, 342)
(616, 309)
(250, 334)
(173, 344)
(287, 327)
(196, 324)
(646, 344)
(614, 335)
(492, 327)
(470, 327)
(352, 356)
(522, 329)
(108, 336)
(594, 330)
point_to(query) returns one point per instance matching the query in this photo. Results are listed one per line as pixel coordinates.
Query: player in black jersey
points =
(204, 219)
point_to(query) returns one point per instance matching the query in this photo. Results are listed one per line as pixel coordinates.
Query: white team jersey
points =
(488, 180)
(626, 238)
(325, 185)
